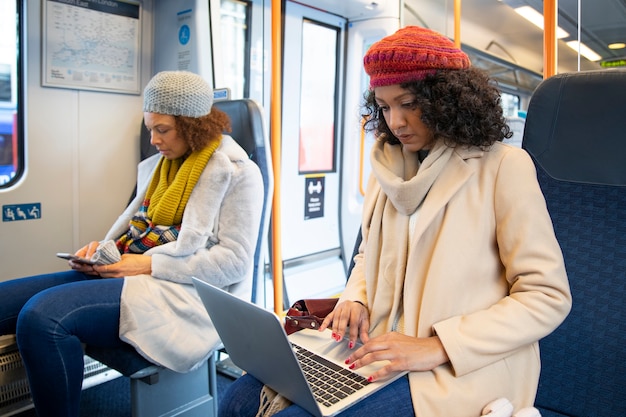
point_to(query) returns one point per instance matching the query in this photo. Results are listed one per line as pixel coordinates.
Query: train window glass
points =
(317, 98)
(11, 159)
(510, 104)
(234, 17)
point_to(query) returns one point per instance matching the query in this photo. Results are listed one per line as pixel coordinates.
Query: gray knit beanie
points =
(178, 93)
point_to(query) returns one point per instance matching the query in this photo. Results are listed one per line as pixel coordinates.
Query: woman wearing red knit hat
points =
(459, 273)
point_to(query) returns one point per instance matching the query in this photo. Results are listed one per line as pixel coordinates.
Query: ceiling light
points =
(584, 50)
(617, 45)
(536, 18)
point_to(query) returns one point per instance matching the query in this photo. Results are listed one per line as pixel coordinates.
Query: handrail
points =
(276, 144)
(549, 38)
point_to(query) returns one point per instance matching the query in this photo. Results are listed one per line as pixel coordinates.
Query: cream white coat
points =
(484, 272)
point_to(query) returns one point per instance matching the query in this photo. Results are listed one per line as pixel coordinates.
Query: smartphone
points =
(75, 258)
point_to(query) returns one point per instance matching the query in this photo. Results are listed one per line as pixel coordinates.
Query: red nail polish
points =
(351, 366)
(350, 344)
(370, 379)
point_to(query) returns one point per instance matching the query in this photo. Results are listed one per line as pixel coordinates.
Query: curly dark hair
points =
(462, 107)
(200, 131)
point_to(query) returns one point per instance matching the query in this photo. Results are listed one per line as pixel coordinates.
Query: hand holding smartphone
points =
(75, 258)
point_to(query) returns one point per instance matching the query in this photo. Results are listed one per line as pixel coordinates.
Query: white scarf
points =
(404, 183)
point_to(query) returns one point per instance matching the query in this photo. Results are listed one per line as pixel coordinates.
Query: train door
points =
(312, 107)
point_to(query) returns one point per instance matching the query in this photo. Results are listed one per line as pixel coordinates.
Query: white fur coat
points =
(161, 314)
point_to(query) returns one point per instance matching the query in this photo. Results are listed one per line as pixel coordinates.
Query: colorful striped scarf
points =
(160, 216)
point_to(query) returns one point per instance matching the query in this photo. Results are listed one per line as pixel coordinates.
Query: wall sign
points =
(185, 55)
(15, 212)
(314, 197)
(91, 45)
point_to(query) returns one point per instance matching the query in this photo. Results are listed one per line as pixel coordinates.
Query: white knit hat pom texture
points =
(178, 93)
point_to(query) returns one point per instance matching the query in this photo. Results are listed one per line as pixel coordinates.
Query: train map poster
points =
(91, 45)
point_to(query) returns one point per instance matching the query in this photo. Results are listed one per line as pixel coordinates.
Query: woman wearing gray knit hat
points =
(459, 273)
(196, 213)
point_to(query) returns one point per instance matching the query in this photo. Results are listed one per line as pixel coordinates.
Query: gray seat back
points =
(248, 130)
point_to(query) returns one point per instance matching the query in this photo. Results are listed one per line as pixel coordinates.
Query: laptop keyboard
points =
(329, 382)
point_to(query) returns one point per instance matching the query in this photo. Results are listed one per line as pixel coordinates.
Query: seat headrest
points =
(576, 127)
(246, 122)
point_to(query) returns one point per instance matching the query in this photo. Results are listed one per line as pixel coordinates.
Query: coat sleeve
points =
(539, 296)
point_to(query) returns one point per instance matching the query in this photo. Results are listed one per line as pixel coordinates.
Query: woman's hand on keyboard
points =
(350, 314)
(404, 353)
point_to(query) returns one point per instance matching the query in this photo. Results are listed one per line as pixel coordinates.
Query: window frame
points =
(19, 114)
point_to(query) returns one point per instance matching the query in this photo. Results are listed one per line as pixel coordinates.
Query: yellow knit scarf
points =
(159, 218)
(172, 184)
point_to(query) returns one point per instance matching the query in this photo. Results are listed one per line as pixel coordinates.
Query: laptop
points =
(257, 343)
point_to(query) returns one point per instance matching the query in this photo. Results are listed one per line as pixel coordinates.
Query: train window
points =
(510, 104)
(11, 143)
(234, 16)
(317, 98)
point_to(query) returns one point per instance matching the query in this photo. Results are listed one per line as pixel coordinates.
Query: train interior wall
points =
(81, 155)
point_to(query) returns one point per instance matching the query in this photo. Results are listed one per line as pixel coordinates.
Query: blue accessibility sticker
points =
(15, 212)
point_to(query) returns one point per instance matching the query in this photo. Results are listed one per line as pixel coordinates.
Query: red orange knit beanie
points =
(410, 54)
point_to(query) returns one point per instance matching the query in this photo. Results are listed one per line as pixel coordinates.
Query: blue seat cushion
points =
(584, 360)
(126, 360)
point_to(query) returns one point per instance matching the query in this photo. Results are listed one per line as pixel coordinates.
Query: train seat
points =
(155, 390)
(248, 130)
(575, 135)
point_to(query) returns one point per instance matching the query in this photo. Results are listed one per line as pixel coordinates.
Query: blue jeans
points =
(242, 399)
(52, 314)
